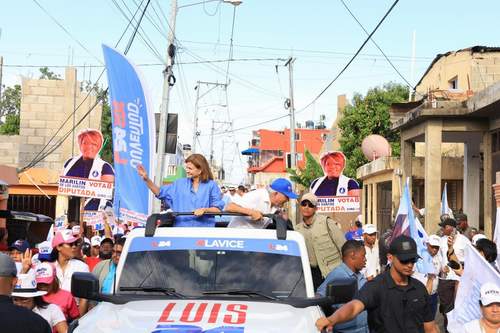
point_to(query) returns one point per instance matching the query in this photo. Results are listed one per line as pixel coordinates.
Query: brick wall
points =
(9, 147)
(45, 105)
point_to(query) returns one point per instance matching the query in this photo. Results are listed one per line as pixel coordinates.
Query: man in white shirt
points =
(372, 268)
(490, 311)
(259, 202)
(431, 280)
(452, 243)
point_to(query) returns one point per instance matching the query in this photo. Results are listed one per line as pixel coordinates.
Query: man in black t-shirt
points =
(395, 301)
(15, 318)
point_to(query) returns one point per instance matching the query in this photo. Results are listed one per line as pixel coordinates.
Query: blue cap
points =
(283, 186)
(21, 245)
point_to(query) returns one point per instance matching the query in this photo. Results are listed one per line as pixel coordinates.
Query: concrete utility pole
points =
(291, 108)
(168, 81)
(196, 132)
(212, 132)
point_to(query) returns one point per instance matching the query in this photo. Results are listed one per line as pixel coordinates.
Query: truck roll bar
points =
(167, 219)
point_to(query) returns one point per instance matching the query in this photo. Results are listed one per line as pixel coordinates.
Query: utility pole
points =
(212, 132)
(291, 108)
(168, 81)
(196, 133)
(222, 172)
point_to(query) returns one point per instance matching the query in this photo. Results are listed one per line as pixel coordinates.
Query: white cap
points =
(434, 240)
(76, 230)
(490, 293)
(477, 237)
(369, 229)
(95, 241)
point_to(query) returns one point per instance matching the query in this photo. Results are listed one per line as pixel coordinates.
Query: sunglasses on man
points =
(307, 203)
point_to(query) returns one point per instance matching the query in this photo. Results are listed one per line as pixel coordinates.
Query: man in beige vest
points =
(324, 239)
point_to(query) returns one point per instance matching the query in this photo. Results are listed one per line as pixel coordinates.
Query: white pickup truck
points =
(207, 280)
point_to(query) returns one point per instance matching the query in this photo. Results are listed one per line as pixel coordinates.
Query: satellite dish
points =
(375, 146)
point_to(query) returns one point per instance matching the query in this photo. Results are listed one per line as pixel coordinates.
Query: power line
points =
(331, 82)
(378, 47)
(66, 30)
(37, 159)
(352, 59)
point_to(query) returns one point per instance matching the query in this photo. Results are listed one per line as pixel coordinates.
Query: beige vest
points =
(327, 252)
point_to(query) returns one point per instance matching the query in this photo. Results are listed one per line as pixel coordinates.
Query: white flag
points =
(477, 272)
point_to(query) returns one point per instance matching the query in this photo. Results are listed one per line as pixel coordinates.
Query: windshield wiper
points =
(166, 291)
(239, 292)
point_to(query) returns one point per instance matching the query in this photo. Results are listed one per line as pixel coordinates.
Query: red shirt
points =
(91, 262)
(65, 300)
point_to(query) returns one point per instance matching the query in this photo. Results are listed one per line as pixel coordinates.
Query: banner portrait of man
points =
(334, 183)
(89, 165)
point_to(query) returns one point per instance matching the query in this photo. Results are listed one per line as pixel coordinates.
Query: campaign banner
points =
(334, 185)
(94, 219)
(133, 136)
(60, 223)
(342, 204)
(85, 188)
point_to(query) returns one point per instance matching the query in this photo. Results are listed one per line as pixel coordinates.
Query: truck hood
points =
(199, 316)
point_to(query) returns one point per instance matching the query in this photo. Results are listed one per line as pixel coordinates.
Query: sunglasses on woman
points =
(307, 203)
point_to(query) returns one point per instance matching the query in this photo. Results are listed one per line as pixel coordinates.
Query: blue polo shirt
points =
(358, 324)
(181, 197)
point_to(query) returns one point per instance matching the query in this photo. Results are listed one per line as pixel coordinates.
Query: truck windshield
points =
(195, 271)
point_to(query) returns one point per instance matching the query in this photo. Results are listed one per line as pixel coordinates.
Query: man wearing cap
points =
(323, 237)
(15, 318)
(463, 225)
(431, 280)
(259, 202)
(489, 303)
(372, 268)
(452, 247)
(105, 271)
(395, 301)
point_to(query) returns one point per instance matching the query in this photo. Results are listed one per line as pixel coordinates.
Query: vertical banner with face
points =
(133, 136)
(335, 192)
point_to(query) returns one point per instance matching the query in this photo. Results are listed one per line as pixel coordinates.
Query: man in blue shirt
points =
(353, 261)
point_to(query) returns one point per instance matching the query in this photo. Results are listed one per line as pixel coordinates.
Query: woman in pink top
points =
(45, 274)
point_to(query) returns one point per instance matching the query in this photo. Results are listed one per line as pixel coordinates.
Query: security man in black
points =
(396, 302)
(14, 318)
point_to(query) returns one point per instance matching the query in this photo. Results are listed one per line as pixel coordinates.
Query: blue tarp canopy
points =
(250, 151)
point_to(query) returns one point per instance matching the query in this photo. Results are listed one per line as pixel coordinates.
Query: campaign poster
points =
(86, 175)
(336, 193)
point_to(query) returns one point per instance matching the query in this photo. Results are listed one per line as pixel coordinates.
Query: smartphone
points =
(453, 264)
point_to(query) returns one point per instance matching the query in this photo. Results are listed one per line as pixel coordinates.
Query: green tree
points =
(305, 176)
(46, 74)
(369, 115)
(10, 106)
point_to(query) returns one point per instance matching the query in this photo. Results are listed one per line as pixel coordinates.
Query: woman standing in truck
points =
(198, 193)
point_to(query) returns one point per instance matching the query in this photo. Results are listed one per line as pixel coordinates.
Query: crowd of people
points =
(392, 296)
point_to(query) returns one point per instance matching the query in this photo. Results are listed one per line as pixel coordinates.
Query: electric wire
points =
(331, 82)
(378, 47)
(66, 30)
(39, 158)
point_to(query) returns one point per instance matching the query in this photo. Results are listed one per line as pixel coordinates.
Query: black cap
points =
(404, 248)
(461, 217)
(449, 221)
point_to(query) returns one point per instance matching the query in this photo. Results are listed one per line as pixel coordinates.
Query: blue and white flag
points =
(133, 137)
(445, 208)
(477, 271)
(407, 224)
